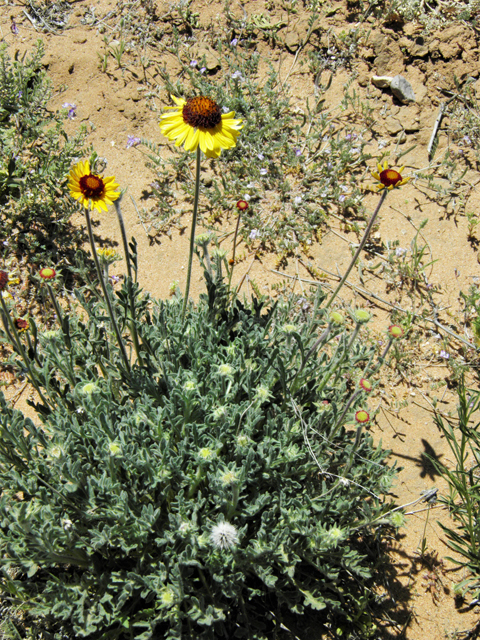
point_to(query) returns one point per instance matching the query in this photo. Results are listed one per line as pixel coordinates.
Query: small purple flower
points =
(13, 28)
(20, 94)
(443, 354)
(72, 110)
(225, 109)
(467, 140)
(260, 156)
(263, 172)
(234, 42)
(348, 136)
(253, 234)
(193, 63)
(203, 69)
(298, 152)
(399, 252)
(237, 75)
(342, 198)
(132, 141)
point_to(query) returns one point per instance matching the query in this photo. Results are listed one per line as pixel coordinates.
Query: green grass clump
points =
(217, 488)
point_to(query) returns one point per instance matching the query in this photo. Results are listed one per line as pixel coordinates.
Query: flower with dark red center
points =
(47, 273)
(362, 416)
(200, 121)
(20, 324)
(242, 205)
(365, 384)
(395, 331)
(389, 178)
(91, 190)
(3, 280)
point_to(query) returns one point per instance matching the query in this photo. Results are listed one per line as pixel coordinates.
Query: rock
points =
(449, 50)
(382, 82)
(402, 89)
(210, 57)
(363, 73)
(297, 36)
(393, 126)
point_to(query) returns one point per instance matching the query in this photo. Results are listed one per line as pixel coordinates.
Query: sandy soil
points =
(420, 592)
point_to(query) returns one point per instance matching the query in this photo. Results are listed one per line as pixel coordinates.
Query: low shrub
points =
(215, 486)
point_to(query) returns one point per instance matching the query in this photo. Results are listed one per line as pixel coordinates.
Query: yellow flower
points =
(389, 178)
(91, 190)
(199, 121)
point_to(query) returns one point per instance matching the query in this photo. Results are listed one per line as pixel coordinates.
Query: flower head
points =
(89, 388)
(362, 316)
(3, 280)
(47, 273)
(224, 535)
(242, 205)
(21, 325)
(132, 141)
(365, 384)
(389, 178)
(362, 416)
(199, 121)
(225, 370)
(336, 317)
(90, 189)
(395, 331)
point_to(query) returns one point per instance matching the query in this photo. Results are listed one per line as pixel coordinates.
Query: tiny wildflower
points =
(21, 325)
(167, 597)
(67, 523)
(365, 384)
(203, 69)
(72, 110)
(336, 317)
(262, 393)
(114, 448)
(237, 75)
(260, 156)
(206, 454)
(243, 440)
(263, 171)
(108, 255)
(193, 63)
(443, 354)
(13, 27)
(297, 200)
(397, 519)
(55, 452)
(389, 178)
(203, 238)
(234, 42)
(219, 412)
(47, 273)
(225, 370)
(362, 416)
(254, 233)
(89, 388)
(242, 205)
(289, 328)
(224, 535)
(341, 198)
(190, 385)
(132, 141)
(298, 152)
(399, 252)
(228, 478)
(334, 535)
(395, 331)
(361, 315)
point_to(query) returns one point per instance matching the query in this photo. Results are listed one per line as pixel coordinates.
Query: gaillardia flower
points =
(21, 325)
(389, 178)
(365, 384)
(47, 273)
(91, 190)
(362, 416)
(200, 121)
(395, 331)
(3, 280)
(242, 205)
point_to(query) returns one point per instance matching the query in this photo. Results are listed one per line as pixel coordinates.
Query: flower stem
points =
(192, 234)
(234, 250)
(133, 325)
(105, 292)
(359, 249)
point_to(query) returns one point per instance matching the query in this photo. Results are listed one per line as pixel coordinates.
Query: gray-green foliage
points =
(463, 499)
(111, 497)
(35, 157)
